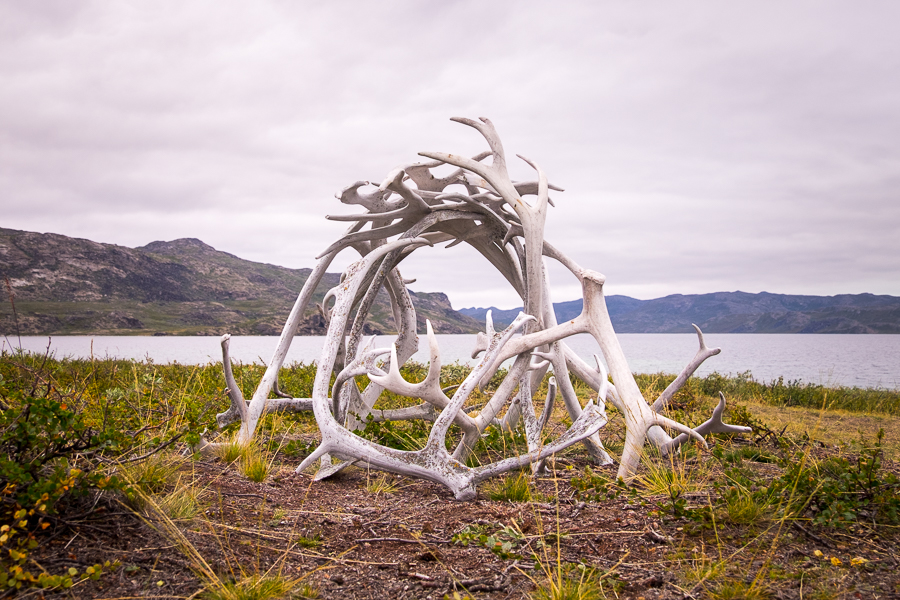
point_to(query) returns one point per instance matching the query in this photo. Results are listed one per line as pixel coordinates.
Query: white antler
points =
(485, 209)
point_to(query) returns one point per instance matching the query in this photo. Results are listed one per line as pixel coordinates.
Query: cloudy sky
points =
(703, 146)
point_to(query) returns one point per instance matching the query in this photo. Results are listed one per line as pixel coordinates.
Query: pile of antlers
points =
(413, 208)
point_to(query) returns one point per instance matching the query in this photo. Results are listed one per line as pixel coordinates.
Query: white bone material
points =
(413, 208)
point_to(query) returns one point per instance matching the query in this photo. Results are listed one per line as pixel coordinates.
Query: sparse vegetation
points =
(255, 463)
(570, 584)
(380, 483)
(514, 487)
(87, 443)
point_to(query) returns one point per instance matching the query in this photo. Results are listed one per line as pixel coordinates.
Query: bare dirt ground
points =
(351, 539)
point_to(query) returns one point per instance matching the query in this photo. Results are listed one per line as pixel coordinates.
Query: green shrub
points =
(838, 491)
(402, 435)
(834, 492)
(42, 440)
(62, 423)
(502, 540)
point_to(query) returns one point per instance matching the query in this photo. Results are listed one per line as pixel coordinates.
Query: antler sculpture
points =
(493, 217)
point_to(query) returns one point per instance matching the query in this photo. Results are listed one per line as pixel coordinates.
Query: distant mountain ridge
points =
(736, 312)
(66, 285)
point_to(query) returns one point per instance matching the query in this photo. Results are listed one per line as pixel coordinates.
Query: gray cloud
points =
(703, 147)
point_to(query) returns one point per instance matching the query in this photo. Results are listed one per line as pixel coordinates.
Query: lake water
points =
(848, 360)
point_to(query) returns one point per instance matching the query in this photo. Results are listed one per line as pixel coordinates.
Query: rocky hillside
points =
(65, 285)
(738, 312)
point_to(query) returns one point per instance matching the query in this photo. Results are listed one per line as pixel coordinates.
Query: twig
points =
(154, 451)
(242, 495)
(400, 540)
(809, 534)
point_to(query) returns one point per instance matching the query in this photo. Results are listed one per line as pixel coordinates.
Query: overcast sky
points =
(703, 146)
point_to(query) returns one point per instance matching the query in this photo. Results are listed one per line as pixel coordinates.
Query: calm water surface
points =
(849, 360)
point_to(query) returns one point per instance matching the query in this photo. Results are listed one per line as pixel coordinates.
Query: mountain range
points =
(736, 312)
(72, 286)
(69, 286)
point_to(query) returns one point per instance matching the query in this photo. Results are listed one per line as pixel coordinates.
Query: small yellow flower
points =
(818, 553)
(836, 561)
(858, 561)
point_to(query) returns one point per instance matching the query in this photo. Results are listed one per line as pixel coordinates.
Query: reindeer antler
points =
(411, 208)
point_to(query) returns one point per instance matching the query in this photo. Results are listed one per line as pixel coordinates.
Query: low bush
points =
(64, 438)
(43, 465)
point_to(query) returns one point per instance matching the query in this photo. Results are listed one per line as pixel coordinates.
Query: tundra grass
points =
(167, 397)
(743, 387)
(164, 401)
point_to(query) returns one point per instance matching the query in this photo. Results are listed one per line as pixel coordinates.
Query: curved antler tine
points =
(394, 369)
(514, 230)
(363, 364)
(703, 345)
(428, 389)
(548, 403)
(238, 409)
(543, 197)
(277, 391)
(534, 365)
(421, 174)
(489, 132)
(481, 344)
(311, 459)
(394, 183)
(720, 408)
(717, 425)
(442, 424)
(702, 354)
(433, 348)
(233, 390)
(351, 195)
(495, 174)
(323, 307)
(393, 178)
(658, 419)
(604, 380)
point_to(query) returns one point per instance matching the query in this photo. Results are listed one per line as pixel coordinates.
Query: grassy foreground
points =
(807, 506)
